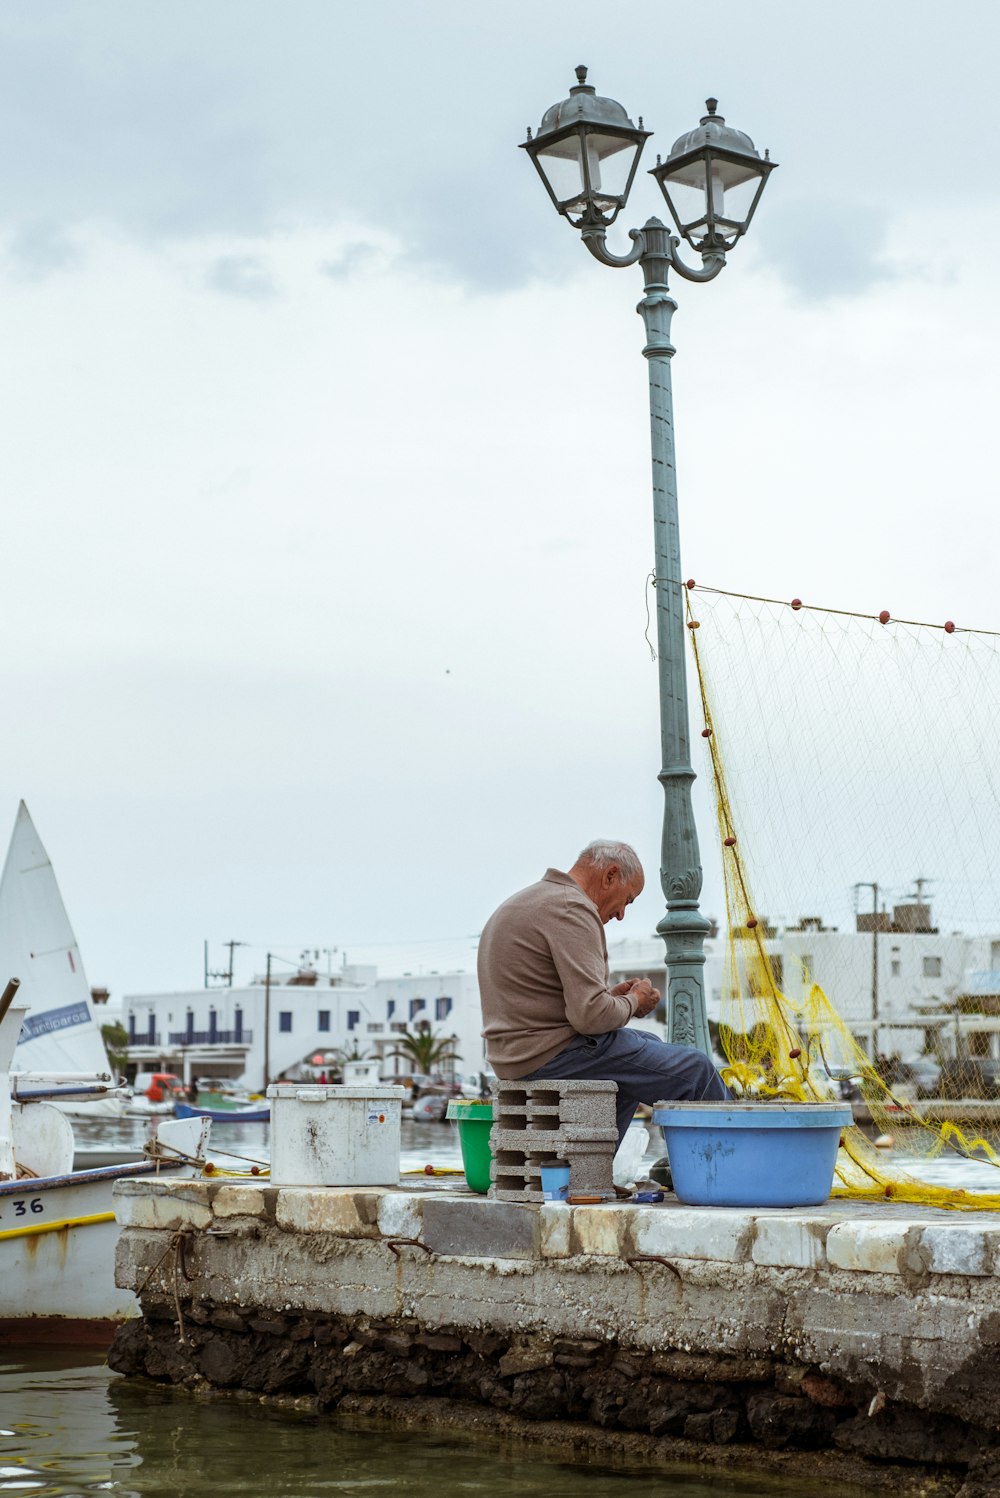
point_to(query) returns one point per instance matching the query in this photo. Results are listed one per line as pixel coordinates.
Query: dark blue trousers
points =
(645, 1068)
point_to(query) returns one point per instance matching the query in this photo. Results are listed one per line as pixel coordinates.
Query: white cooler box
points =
(335, 1136)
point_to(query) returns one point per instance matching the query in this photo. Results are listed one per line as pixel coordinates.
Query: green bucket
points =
(474, 1120)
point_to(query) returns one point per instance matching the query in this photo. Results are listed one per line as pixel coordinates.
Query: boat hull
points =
(57, 1252)
(223, 1115)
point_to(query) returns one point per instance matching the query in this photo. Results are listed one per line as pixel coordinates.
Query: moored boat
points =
(255, 1113)
(57, 1225)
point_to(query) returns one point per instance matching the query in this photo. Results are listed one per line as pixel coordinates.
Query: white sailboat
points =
(37, 945)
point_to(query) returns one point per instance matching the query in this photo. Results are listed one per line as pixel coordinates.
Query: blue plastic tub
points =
(752, 1154)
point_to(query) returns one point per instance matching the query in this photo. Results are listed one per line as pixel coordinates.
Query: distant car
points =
(971, 1077)
(923, 1079)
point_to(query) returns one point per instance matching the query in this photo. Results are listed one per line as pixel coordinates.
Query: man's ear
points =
(612, 876)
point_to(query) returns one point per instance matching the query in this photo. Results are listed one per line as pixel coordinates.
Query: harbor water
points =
(70, 1428)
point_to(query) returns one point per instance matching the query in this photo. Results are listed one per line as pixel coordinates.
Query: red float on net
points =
(949, 627)
(884, 617)
(729, 842)
(751, 922)
(706, 733)
(689, 584)
(796, 603)
(693, 624)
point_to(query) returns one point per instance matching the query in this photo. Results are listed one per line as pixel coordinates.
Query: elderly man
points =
(547, 1008)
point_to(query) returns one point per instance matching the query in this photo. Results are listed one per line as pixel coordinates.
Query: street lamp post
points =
(586, 152)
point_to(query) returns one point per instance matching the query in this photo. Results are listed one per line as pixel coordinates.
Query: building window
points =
(190, 1026)
(323, 1020)
(416, 1005)
(152, 1028)
(238, 1022)
(390, 1008)
(131, 1029)
(213, 1026)
(895, 967)
(285, 1021)
(353, 1018)
(442, 1008)
(932, 967)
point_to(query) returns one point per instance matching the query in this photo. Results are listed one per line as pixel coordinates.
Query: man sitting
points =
(548, 1011)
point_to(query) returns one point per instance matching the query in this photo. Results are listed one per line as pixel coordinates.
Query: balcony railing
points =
(207, 1037)
(145, 1038)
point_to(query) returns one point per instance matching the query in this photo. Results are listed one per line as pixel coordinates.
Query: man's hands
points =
(647, 997)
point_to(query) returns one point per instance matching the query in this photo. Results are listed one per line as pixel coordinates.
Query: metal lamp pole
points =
(586, 152)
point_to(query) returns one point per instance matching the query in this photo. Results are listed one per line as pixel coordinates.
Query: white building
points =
(935, 993)
(904, 988)
(255, 1033)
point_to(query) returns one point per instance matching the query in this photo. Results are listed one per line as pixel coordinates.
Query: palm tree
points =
(426, 1051)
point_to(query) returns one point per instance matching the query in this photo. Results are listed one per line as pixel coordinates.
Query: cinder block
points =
(480, 1229)
(791, 1242)
(547, 1142)
(328, 1209)
(552, 1105)
(541, 1122)
(722, 1233)
(516, 1174)
(958, 1249)
(869, 1247)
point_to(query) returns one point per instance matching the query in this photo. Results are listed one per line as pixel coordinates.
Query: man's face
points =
(614, 895)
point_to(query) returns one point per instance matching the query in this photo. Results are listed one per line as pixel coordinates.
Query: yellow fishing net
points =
(857, 791)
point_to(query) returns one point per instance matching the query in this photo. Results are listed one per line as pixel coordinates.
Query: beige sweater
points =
(543, 976)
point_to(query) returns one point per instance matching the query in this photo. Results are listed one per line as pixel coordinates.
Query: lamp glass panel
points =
(609, 159)
(687, 191)
(732, 201)
(561, 162)
(732, 173)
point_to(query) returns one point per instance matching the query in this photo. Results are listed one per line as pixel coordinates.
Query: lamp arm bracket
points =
(712, 263)
(595, 240)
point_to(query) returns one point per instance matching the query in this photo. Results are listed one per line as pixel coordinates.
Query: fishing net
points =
(858, 799)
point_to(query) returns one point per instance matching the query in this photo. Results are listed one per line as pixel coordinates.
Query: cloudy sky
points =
(324, 467)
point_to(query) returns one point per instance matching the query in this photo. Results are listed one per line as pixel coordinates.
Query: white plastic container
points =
(335, 1136)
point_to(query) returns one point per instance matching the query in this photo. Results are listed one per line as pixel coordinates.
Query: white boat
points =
(57, 1224)
(37, 945)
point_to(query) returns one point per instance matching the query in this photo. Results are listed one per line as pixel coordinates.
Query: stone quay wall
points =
(862, 1339)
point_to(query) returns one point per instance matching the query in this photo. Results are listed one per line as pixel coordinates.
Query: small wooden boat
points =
(254, 1114)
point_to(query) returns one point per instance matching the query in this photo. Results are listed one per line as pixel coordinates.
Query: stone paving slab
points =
(864, 1238)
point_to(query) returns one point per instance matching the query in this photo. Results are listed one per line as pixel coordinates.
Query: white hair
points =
(602, 853)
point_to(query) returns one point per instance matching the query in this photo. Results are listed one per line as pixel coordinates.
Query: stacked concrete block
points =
(542, 1123)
